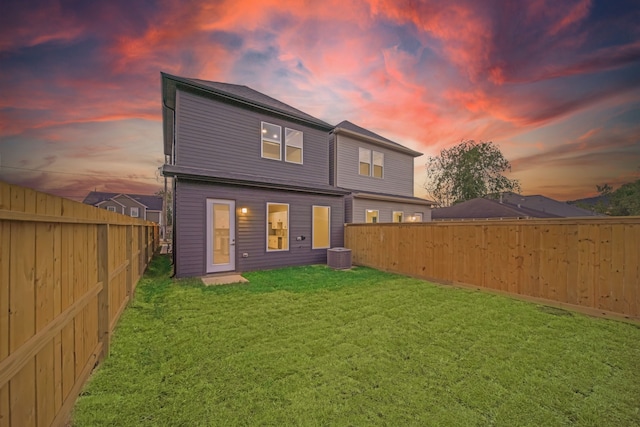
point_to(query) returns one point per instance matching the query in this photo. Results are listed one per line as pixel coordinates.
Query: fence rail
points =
(588, 263)
(67, 271)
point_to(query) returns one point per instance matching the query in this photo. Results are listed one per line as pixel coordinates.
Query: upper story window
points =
(271, 141)
(368, 159)
(135, 212)
(293, 145)
(365, 162)
(111, 208)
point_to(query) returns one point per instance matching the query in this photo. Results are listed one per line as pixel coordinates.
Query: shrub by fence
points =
(67, 271)
(588, 263)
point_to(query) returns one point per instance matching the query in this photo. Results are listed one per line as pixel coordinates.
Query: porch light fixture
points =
(243, 210)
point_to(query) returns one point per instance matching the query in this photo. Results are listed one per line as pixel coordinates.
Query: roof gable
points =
(352, 129)
(151, 202)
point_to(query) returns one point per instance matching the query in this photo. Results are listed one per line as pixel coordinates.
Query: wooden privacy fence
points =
(67, 271)
(588, 263)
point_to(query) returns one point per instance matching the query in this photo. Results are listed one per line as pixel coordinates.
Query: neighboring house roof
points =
(546, 204)
(153, 203)
(347, 128)
(480, 208)
(391, 198)
(238, 94)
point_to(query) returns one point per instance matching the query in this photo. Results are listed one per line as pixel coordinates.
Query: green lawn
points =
(313, 346)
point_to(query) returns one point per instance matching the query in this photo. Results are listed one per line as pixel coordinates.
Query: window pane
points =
(365, 161)
(397, 216)
(321, 227)
(378, 164)
(293, 143)
(294, 155)
(271, 132)
(221, 236)
(270, 150)
(277, 227)
(371, 216)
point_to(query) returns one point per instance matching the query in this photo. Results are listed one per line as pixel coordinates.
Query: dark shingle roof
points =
(347, 125)
(484, 208)
(546, 204)
(153, 203)
(248, 95)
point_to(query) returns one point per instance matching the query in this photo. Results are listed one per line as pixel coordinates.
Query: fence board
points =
(49, 299)
(590, 263)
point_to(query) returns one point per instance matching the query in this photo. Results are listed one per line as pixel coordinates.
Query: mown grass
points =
(313, 346)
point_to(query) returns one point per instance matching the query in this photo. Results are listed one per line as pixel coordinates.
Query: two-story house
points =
(251, 180)
(142, 206)
(258, 183)
(379, 175)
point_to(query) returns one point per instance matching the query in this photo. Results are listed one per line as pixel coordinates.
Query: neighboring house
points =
(547, 205)
(134, 205)
(258, 183)
(379, 174)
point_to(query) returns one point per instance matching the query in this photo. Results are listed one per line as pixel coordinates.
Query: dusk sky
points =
(555, 84)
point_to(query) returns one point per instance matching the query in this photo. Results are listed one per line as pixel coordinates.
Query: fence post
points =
(129, 273)
(141, 255)
(103, 296)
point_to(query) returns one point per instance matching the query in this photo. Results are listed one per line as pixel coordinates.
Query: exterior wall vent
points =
(339, 258)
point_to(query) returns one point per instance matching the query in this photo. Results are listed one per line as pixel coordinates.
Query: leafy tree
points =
(625, 201)
(467, 171)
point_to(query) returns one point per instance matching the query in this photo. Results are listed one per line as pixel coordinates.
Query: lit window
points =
(111, 208)
(417, 217)
(277, 227)
(271, 141)
(365, 162)
(371, 216)
(135, 212)
(321, 227)
(378, 164)
(293, 145)
(398, 216)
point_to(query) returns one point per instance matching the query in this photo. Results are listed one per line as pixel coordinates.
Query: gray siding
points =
(218, 136)
(398, 169)
(332, 162)
(385, 210)
(153, 216)
(250, 227)
(119, 208)
(129, 203)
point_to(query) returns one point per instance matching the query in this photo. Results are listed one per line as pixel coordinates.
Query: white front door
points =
(221, 235)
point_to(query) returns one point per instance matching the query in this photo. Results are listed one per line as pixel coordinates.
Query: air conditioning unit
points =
(339, 258)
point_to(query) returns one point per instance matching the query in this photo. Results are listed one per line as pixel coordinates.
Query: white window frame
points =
(136, 210)
(361, 150)
(393, 216)
(417, 215)
(373, 164)
(371, 155)
(111, 208)
(289, 144)
(267, 227)
(313, 228)
(377, 216)
(272, 140)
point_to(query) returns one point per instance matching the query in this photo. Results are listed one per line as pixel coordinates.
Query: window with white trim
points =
(398, 216)
(417, 217)
(378, 164)
(371, 216)
(365, 161)
(293, 145)
(111, 208)
(371, 163)
(277, 227)
(271, 141)
(321, 233)
(135, 212)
